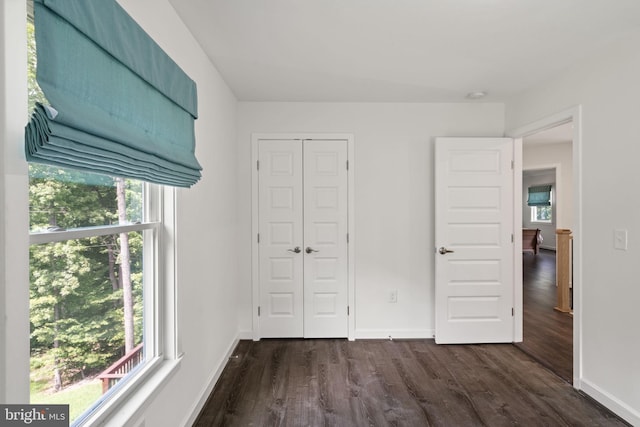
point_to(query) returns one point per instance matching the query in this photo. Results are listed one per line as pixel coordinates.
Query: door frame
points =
(255, 267)
(573, 115)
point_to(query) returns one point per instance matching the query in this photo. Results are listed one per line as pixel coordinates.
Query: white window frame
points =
(161, 355)
(534, 216)
(534, 211)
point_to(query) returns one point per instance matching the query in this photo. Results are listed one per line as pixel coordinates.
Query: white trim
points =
(255, 261)
(573, 115)
(620, 408)
(161, 334)
(171, 345)
(133, 401)
(255, 283)
(84, 232)
(395, 334)
(518, 311)
(213, 379)
(14, 206)
(352, 236)
(245, 335)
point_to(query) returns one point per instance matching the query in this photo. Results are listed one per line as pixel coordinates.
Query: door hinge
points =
(257, 164)
(258, 311)
(511, 237)
(258, 237)
(513, 312)
(347, 164)
(347, 310)
(347, 237)
(512, 165)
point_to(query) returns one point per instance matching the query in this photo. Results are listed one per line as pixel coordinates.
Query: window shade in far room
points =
(119, 105)
(539, 196)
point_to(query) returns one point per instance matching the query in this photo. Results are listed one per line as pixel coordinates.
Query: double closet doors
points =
(303, 238)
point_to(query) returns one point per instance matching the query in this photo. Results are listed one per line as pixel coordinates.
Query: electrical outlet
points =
(393, 296)
(620, 239)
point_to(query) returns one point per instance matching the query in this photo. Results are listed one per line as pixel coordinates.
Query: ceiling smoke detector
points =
(476, 95)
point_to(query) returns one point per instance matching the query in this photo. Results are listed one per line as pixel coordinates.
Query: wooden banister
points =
(121, 367)
(563, 269)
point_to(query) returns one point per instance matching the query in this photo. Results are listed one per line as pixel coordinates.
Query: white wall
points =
(548, 231)
(206, 220)
(393, 198)
(3, 206)
(606, 85)
(14, 208)
(206, 225)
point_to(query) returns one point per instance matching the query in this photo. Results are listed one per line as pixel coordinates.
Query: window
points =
(92, 258)
(96, 295)
(541, 214)
(540, 201)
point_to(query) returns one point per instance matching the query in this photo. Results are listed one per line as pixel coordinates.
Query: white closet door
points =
(325, 239)
(281, 238)
(303, 249)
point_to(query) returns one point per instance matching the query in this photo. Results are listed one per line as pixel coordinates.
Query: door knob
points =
(296, 250)
(309, 250)
(444, 250)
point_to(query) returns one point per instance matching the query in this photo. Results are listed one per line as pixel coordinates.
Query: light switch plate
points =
(620, 239)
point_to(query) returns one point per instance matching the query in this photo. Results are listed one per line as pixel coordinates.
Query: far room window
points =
(540, 200)
(541, 214)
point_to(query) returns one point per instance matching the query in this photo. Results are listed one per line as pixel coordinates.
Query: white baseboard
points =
(245, 335)
(204, 395)
(621, 409)
(394, 333)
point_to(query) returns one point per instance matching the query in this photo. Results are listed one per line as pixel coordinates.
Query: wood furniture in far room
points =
(531, 240)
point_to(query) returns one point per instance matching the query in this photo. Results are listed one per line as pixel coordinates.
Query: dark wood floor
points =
(548, 334)
(392, 383)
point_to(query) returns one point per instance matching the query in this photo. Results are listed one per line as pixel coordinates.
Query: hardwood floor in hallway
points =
(547, 333)
(333, 382)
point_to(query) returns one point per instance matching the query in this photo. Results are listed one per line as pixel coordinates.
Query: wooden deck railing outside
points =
(121, 367)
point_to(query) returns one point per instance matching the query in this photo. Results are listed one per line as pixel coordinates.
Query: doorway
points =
(301, 218)
(549, 150)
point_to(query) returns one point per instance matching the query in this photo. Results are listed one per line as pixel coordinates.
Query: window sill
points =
(131, 400)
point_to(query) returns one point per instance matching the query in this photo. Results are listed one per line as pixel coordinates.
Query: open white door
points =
(474, 240)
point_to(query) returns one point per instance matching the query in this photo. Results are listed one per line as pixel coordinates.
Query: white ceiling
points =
(398, 50)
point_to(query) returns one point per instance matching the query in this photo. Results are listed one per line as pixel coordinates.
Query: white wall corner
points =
(211, 382)
(623, 410)
(245, 335)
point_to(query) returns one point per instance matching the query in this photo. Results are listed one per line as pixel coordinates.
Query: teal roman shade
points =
(539, 196)
(118, 104)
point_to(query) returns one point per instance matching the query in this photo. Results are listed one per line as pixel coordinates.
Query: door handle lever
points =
(296, 250)
(310, 250)
(444, 250)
